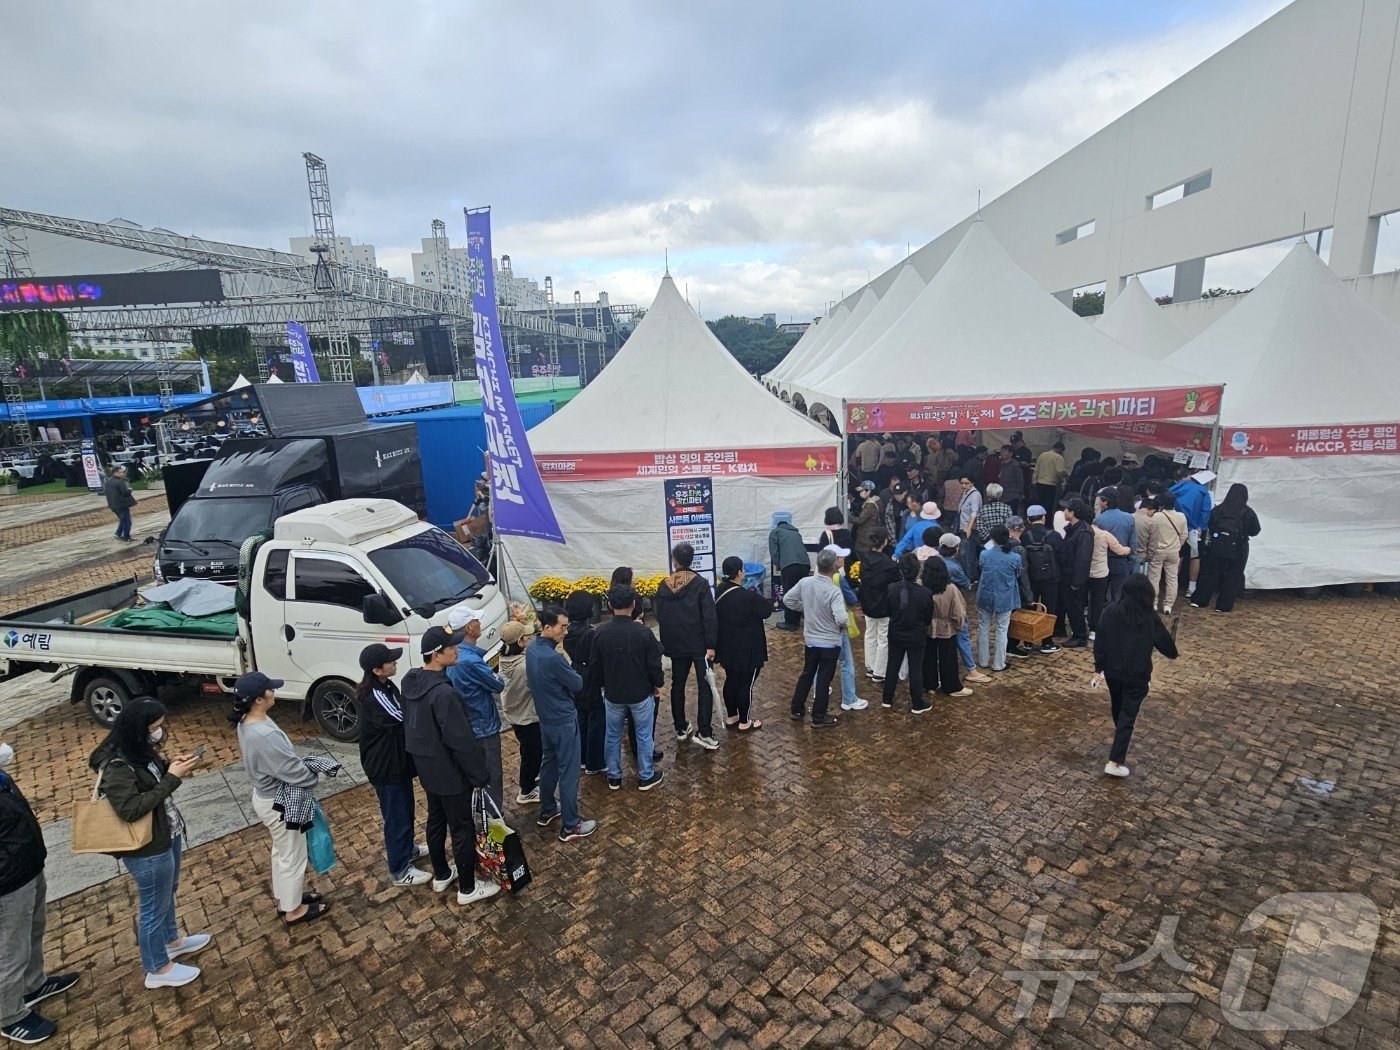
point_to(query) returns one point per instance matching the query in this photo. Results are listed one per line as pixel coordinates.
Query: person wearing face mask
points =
(23, 983)
(136, 780)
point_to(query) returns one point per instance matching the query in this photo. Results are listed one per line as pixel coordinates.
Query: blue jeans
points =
(644, 718)
(559, 769)
(848, 671)
(985, 620)
(123, 524)
(396, 807)
(964, 639)
(157, 879)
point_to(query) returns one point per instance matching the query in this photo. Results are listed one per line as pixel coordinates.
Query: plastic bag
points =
(320, 847)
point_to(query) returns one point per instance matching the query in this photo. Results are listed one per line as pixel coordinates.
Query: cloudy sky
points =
(782, 151)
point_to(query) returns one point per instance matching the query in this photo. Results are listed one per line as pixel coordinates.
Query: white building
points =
(361, 255)
(515, 293)
(81, 343)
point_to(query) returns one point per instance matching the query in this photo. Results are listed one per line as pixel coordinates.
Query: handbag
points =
(499, 850)
(98, 829)
(320, 847)
(1031, 625)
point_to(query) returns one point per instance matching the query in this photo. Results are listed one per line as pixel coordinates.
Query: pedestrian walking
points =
(478, 686)
(685, 612)
(120, 500)
(818, 598)
(519, 708)
(555, 686)
(450, 763)
(137, 780)
(387, 764)
(626, 667)
(1232, 525)
(23, 916)
(911, 612)
(1129, 631)
(741, 644)
(282, 799)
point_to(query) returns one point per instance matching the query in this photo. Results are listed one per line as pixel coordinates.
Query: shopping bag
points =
(98, 829)
(320, 847)
(852, 625)
(499, 851)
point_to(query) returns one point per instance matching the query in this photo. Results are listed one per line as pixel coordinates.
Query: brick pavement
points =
(55, 527)
(869, 886)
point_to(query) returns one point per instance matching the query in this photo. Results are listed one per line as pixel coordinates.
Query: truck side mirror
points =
(376, 609)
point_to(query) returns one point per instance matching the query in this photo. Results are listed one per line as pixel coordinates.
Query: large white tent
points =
(1310, 420)
(1136, 321)
(985, 346)
(808, 351)
(672, 403)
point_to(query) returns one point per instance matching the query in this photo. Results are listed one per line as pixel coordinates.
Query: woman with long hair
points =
(911, 611)
(1232, 525)
(581, 607)
(998, 595)
(741, 647)
(137, 781)
(949, 615)
(1129, 631)
(387, 764)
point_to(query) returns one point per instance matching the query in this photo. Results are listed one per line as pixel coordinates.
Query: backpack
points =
(1041, 564)
(1227, 538)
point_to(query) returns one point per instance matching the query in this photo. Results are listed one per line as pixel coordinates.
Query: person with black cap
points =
(450, 764)
(282, 782)
(387, 765)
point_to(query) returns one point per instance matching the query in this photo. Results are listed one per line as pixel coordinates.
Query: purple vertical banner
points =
(303, 364)
(520, 506)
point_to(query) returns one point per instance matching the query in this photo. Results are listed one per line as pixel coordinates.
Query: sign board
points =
(1367, 439)
(759, 462)
(92, 470)
(690, 518)
(110, 289)
(303, 364)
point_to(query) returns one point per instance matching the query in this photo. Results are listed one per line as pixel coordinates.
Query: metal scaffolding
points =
(327, 274)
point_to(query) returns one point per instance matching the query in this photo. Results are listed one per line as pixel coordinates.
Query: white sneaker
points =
(1113, 769)
(709, 743)
(189, 944)
(414, 877)
(177, 975)
(419, 851)
(1091, 635)
(480, 892)
(855, 705)
(441, 884)
(1166, 610)
(528, 798)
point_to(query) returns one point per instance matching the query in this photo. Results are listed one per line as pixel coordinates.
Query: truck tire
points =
(105, 698)
(336, 709)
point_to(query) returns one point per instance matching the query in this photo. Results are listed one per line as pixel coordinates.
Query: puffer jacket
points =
(685, 610)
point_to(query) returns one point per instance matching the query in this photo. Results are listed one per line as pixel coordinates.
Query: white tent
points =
(815, 350)
(672, 403)
(1309, 423)
(415, 378)
(240, 382)
(273, 378)
(984, 345)
(1136, 321)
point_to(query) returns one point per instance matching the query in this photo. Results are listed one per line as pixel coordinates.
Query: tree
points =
(1216, 293)
(26, 334)
(757, 347)
(1088, 304)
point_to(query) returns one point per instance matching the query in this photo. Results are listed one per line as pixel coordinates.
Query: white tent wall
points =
(1325, 520)
(623, 522)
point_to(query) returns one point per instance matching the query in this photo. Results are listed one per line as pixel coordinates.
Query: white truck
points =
(331, 580)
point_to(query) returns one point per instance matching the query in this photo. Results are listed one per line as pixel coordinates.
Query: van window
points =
(330, 582)
(275, 575)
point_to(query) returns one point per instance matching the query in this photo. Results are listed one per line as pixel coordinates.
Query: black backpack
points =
(1041, 564)
(1227, 538)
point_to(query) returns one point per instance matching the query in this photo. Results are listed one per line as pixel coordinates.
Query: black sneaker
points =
(797, 716)
(825, 723)
(614, 783)
(1017, 653)
(650, 782)
(1076, 643)
(887, 704)
(921, 709)
(31, 1028)
(59, 982)
(546, 819)
(1049, 647)
(657, 756)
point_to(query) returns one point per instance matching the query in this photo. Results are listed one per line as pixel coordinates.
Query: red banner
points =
(1153, 433)
(713, 462)
(1063, 410)
(1367, 439)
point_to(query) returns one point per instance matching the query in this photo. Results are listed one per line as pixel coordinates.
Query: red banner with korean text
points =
(714, 462)
(1064, 410)
(1154, 433)
(1357, 439)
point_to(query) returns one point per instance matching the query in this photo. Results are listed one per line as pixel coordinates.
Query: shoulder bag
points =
(98, 829)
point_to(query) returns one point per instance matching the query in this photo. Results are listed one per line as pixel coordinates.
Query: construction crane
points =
(328, 271)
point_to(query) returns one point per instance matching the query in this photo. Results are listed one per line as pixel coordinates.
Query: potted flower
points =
(7, 482)
(155, 479)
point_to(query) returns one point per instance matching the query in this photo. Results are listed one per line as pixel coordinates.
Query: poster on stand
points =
(690, 518)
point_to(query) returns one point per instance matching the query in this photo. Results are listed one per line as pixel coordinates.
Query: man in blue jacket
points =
(478, 687)
(554, 684)
(1193, 499)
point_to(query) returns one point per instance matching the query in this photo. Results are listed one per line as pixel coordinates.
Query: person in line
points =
(1076, 557)
(949, 617)
(788, 555)
(818, 598)
(1232, 525)
(877, 572)
(1012, 479)
(1165, 543)
(914, 532)
(849, 700)
(741, 644)
(626, 668)
(478, 686)
(1128, 633)
(867, 524)
(23, 916)
(137, 780)
(554, 685)
(1194, 500)
(1040, 550)
(1115, 515)
(120, 500)
(387, 765)
(519, 708)
(1147, 506)
(282, 782)
(580, 608)
(450, 764)
(836, 531)
(998, 595)
(928, 546)
(622, 576)
(1105, 546)
(685, 612)
(911, 612)
(868, 457)
(949, 547)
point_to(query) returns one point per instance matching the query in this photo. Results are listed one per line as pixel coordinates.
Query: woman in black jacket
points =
(911, 612)
(386, 764)
(581, 607)
(137, 781)
(1128, 631)
(741, 647)
(1232, 525)
(877, 573)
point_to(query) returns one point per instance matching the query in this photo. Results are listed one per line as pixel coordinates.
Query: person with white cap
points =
(478, 687)
(1194, 500)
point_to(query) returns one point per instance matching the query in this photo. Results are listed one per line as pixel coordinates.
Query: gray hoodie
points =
(823, 610)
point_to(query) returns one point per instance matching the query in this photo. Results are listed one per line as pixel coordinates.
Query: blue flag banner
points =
(520, 506)
(303, 364)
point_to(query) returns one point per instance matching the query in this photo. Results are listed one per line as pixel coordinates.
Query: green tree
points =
(1088, 304)
(1216, 293)
(757, 347)
(26, 334)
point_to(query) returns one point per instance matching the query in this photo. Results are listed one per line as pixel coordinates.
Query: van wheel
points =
(336, 709)
(105, 698)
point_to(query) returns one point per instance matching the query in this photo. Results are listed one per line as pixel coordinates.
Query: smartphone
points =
(199, 751)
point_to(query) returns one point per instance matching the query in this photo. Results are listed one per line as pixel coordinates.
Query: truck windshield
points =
(430, 571)
(229, 521)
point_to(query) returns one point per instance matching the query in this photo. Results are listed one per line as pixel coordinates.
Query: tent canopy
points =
(809, 347)
(1136, 321)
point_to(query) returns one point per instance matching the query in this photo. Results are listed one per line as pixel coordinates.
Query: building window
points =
(1176, 192)
(1075, 233)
